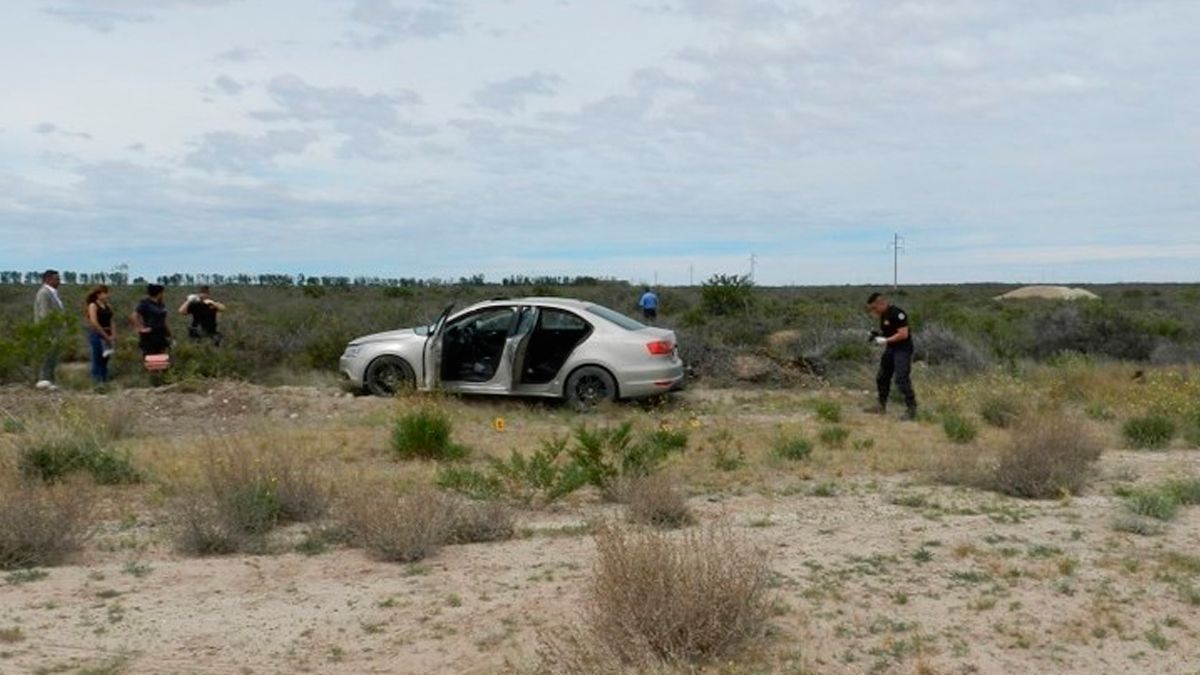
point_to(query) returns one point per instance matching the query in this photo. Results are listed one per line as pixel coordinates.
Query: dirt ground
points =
(878, 570)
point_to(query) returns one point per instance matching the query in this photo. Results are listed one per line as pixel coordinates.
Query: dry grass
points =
(1047, 456)
(694, 597)
(43, 525)
(656, 500)
(243, 494)
(479, 522)
(396, 528)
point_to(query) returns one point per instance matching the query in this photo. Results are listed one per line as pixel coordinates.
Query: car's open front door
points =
(518, 345)
(432, 355)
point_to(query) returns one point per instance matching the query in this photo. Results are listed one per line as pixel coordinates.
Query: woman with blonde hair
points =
(102, 332)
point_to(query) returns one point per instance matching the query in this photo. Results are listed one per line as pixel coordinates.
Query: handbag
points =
(157, 363)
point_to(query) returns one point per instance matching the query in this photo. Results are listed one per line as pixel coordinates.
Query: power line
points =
(897, 245)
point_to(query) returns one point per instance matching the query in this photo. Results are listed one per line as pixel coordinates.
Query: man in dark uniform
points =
(203, 310)
(896, 339)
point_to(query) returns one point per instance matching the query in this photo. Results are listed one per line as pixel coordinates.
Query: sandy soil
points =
(880, 573)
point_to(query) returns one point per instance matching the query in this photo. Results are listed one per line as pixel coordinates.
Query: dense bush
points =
(701, 596)
(959, 428)
(941, 347)
(1090, 328)
(1150, 432)
(1001, 410)
(42, 525)
(655, 500)
(793, 448)
(1047, 457)
(244, 494)
(600, 457)
(425, 434)
(64, 452)
(725, 294)
(410, 528)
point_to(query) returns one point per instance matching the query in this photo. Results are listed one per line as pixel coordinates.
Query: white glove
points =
(881, 340)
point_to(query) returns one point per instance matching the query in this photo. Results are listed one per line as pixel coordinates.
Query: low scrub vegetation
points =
(243, 495)
(599, 457)
(1150, 432)
(1163, 501)
(1048, 456)
(1001, 410)
(43, 525)
(656, 500)
(426, 434)
(793, 447)
(410, 528)
(959, 428)
(700, 596)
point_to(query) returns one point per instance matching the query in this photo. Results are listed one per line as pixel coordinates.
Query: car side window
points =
(557, 319)
(495, 319)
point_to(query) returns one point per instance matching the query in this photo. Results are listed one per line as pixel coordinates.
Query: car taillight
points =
(661, 347)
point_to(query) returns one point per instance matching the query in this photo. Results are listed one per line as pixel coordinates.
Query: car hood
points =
(392, 335)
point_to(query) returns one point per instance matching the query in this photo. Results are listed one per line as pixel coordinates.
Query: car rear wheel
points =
(389, 375)
(590, 387)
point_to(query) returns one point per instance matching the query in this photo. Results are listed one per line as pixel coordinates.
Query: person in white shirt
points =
(46, 304)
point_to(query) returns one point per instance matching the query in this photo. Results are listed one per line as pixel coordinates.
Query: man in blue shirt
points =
(649, 304)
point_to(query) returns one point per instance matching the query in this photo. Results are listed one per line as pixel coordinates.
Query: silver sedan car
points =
(550, 347)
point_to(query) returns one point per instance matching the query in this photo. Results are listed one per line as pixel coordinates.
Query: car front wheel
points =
(389, 375)
(590, 387)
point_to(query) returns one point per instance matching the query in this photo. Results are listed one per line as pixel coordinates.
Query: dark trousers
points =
(650, 313)
(99, 361)
(896, 363)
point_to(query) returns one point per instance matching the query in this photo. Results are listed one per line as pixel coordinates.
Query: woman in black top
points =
(102, 335)
(150, 319)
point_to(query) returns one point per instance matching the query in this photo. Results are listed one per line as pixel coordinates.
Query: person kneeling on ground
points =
(896, 339)
(203, 310)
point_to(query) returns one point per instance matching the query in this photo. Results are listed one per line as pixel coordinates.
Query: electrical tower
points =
(753, 265)
(897, 245)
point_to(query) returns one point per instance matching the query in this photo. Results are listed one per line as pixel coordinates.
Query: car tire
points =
(389, 375)
(590, 387)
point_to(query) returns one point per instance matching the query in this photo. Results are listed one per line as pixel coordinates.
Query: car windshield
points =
(616, 317)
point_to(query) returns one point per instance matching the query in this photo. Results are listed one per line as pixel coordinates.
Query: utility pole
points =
(692, 275)
(897, 246)
(753, 264)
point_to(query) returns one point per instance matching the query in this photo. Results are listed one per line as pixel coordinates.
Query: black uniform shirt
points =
(891, 322)
(204, 317)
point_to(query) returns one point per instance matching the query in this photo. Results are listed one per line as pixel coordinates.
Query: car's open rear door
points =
(518, 345)
(432, 355)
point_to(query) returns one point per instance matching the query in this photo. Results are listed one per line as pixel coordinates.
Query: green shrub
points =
(793, 448)
(425, 434)
(1150, 432)
(599, 457)
(827, 410)
(1154, 503)
(725, 294)
(958, 428)
(1000, 410)
(470, 481)
(834, 437)
(1139, 525)
(59, 455)
(1186, 490)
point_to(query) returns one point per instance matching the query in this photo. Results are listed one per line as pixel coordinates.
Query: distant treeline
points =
(286, 280)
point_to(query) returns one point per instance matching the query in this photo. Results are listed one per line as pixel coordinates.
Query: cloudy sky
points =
(1008, 140)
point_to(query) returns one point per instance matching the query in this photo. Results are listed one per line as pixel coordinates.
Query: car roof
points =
(561, 303)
